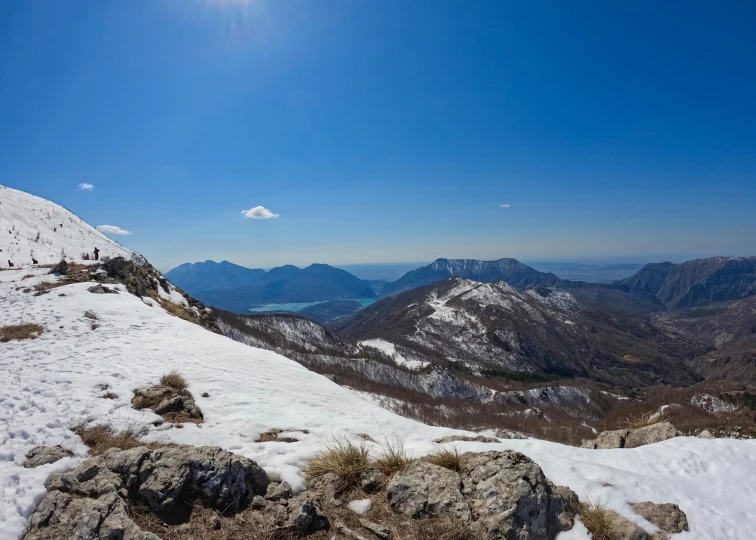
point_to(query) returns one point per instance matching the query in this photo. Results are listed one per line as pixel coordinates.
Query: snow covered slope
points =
(54, 382)
(32, 227)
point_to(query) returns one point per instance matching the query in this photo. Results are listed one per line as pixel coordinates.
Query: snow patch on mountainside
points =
(32, 227)
(389, 349)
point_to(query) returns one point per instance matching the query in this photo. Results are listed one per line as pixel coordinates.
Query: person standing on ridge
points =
(97, 254)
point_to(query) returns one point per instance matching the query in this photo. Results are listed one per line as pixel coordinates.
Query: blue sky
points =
(388, 131)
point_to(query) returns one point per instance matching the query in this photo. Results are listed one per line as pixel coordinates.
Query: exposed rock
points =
(624, 529)
(668, 517)
(422, 490)
(466, 438)
(650, 434)
(497, 495)
(61, 515)
(42, 455)
(384, 533)
(101, 289)
(612, 439)
(172, 404)
(60, 268)
(308, 520)
(705, 434)
(92, 500)
(588, 443)
(511, 497)
(40, 293)
(278, 491)
(372, 481)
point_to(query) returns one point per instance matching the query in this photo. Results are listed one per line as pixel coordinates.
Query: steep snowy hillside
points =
(98, 341)
(35, 228)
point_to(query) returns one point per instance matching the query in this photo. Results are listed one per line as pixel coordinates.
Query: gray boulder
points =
(705, 434)
(422, 490)
(612, 439)
(466, 438)
(650, 434)
(91, 501)
(510, 497)
(60, 268)
(168, 402)
(624, 529)
(668, 517)
(372, 481)
(101, 289)
(42, 455)
(498, 495)
(62, 515)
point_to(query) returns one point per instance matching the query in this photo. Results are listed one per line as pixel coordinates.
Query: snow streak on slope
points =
(388, 348)
(50, 384)
(32, 227)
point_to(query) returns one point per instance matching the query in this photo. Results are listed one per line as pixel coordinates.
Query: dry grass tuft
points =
(94, 326)
(448, 458)
(19, 332)
(342, 457)
(597, 521)
(99, 439)
(174, 379)
(392, 457)
(207, 524)
(646, 419)
(440, 528)
(109, 395)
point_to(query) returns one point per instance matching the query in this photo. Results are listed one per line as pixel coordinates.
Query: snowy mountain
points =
(35, 228)
(77, 347)
(494, 329)
(510, 270)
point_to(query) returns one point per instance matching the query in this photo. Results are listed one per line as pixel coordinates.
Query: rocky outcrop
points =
(42, 455)
(668, 517)
(92, 501)
(650, 434)
(172, 404)
(422, 490)
(624, 529)
(627, 438)
(497, 495)
(60, 268)
(466, 438)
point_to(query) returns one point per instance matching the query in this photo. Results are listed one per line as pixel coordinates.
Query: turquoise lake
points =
(296, 306)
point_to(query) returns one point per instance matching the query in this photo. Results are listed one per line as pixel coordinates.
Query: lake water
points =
(297, 306)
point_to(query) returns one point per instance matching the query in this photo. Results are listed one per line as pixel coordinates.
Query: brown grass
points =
(19, 332)
(27, 276)
(94, 326)
(392, 457)
(448, 458)
(109, 395)
(645, 419)
(595, 518)
(203, 522)
(174, 379)
(345, 459)
(177, 311)
(99, 439)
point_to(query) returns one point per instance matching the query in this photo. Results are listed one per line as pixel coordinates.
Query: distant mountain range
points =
(510, 270)
(697, 282)
(235, 288)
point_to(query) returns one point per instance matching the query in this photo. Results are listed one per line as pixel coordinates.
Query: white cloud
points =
(258, 212)
(86, 187)
(112, 229)
(506, 205)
